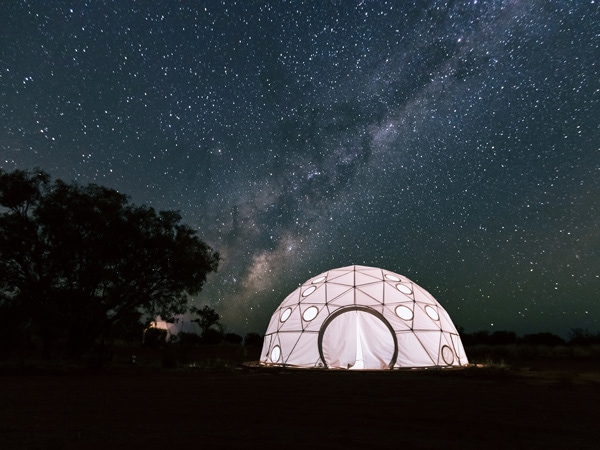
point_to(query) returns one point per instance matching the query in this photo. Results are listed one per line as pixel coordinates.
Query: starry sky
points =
(454, 142)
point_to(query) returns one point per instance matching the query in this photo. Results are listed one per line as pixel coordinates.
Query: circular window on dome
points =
(286, 315)
(432, 313)
(275, 354)
(310, 313)
(318, 280)
(389, 276)
(447, 355)
(309, 291)
(404, 288)
(404, 312)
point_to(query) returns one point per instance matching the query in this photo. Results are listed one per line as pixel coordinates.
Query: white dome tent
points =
(360, 317)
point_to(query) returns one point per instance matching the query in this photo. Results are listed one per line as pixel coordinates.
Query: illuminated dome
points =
(359, 317)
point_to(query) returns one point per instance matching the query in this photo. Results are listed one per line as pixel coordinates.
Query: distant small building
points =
(180, 324)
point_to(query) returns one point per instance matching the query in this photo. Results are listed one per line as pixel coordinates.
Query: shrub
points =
(254, 339)
(155, 337)
(232, 338)
(189, 339)
(212, 337)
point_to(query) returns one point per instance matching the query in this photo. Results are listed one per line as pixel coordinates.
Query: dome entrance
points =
(357, 338)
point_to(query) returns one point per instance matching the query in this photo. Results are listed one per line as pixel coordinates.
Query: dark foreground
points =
(550, 406)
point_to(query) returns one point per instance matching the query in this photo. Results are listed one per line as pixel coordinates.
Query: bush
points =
(188, 339)
(542, 339)
(212, 337)
(253, 339)
(234, 339)
(155, 337)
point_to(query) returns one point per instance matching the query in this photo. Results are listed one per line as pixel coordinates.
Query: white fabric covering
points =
(360, 317)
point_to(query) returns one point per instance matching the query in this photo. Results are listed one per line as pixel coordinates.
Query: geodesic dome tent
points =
(359, 317)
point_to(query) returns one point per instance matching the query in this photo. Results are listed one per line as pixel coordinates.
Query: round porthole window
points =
(309, 291)
(404, 312)
(389, 276)
(404, 288)
(286, 314)
(432, 313)
(318, 280)
(447, 355)
(310, 313)
(275, 354)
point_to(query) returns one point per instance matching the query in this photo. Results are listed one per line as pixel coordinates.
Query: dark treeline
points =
(577, 336)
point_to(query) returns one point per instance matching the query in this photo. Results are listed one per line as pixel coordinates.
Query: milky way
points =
(454, 142)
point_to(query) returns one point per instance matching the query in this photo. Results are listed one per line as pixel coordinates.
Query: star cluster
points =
(455, 142)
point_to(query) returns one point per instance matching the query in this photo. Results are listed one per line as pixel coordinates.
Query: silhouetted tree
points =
(232, 338)
(503, 337)
(542, 339)
(75, 260)
(254, 339)
(208, 321)
(580, 336)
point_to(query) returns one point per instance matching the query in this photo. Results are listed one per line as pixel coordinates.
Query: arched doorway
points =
(357, 337)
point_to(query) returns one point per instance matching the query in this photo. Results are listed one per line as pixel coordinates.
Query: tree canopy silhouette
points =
(75, 260)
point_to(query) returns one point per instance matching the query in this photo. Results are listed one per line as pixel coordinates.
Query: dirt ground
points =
(549, 404)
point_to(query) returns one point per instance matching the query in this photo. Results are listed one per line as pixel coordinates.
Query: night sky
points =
(454, 142)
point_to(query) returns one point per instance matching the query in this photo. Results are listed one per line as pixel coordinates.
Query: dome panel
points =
(392, 294)
(411, 352)
(431, 341)
(398, 324)
(316, 294)
(363, 278)
(346, 299)
(293, 322)
(346, 278)
(335, 290)
(367, 300)
(373, 290)
(422, 321)
(371, 271)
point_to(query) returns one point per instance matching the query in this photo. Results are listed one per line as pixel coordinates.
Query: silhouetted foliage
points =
(254, 339)
(583, 337)
(208, 321)
(541, 339)
(187, 339)
(476, 338)
(503, 337)
(76, 260)
(155, 337)
(129, 328)
(232, 338)
(212, 336)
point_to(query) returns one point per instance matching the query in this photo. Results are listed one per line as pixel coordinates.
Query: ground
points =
(549, 403)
